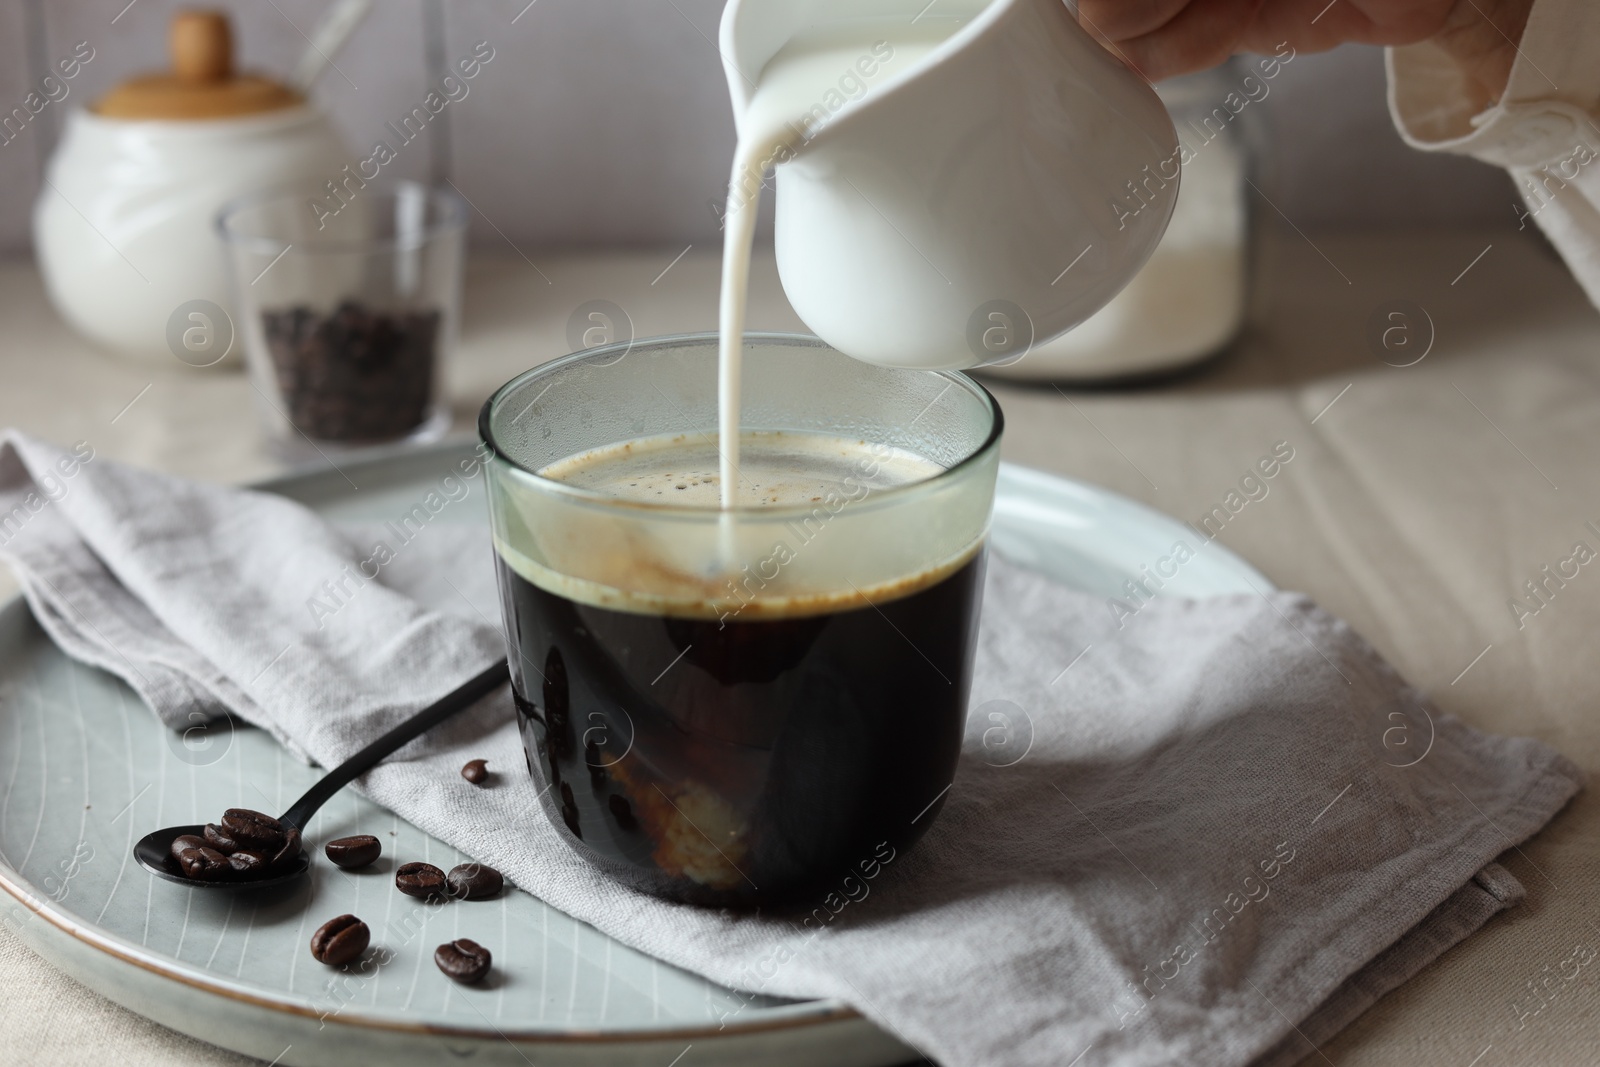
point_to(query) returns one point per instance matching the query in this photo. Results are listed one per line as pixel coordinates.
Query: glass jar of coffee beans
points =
(350, 297)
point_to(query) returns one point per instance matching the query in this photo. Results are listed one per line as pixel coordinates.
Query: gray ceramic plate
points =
(84, 771)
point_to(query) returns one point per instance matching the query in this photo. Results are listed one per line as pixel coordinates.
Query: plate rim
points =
(804, 1013)
(800, 1013)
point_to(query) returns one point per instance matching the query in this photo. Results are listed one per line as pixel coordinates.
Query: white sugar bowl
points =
(124, 228)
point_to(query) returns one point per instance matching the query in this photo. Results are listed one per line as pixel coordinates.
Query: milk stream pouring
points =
(953, 181)
(791, 100)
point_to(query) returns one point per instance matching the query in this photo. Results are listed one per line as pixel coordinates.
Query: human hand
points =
(1162, 38)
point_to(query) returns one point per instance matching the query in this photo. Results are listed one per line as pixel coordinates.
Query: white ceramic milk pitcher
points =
(995, 192)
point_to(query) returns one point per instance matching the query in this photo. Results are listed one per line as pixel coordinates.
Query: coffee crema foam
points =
(803, 566)
(776, 469)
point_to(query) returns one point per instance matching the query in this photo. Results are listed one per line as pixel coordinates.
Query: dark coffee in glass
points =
(739, 708)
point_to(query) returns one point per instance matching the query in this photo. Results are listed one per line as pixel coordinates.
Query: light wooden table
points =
(1419, 502)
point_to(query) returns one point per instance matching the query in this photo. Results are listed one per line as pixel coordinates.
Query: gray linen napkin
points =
(1210, 832)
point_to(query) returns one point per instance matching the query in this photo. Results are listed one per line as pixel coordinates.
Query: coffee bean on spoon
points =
(219, 839)
(475, 881)
(476, 771)
(183, 842)
(286, 856)
(422, 880)
(353, 852)
(340, 940)
(251, 846)
(205, 865)
(248, 865)
(465, 961)
(252, 829)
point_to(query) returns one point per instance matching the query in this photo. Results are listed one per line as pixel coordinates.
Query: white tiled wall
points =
(607, 122)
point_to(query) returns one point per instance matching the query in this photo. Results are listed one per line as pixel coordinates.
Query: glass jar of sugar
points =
(1189, 301)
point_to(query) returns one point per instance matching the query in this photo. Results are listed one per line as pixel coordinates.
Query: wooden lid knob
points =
(202, 83)
(202, 47)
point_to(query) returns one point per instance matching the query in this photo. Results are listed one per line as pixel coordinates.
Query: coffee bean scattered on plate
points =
(474, 881)
(421, 880)
(465, 961)
(340, 940)
(353, 852)
(476, 771)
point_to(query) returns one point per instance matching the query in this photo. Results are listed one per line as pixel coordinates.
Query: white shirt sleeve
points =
(1544, 130)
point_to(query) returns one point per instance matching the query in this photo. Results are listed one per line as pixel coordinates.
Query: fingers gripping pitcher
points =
(955, 180)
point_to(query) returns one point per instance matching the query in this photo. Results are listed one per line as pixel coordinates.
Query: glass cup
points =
(349, 307)
(736, 708)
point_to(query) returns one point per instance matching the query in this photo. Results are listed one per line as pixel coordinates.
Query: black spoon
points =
(153, 850)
